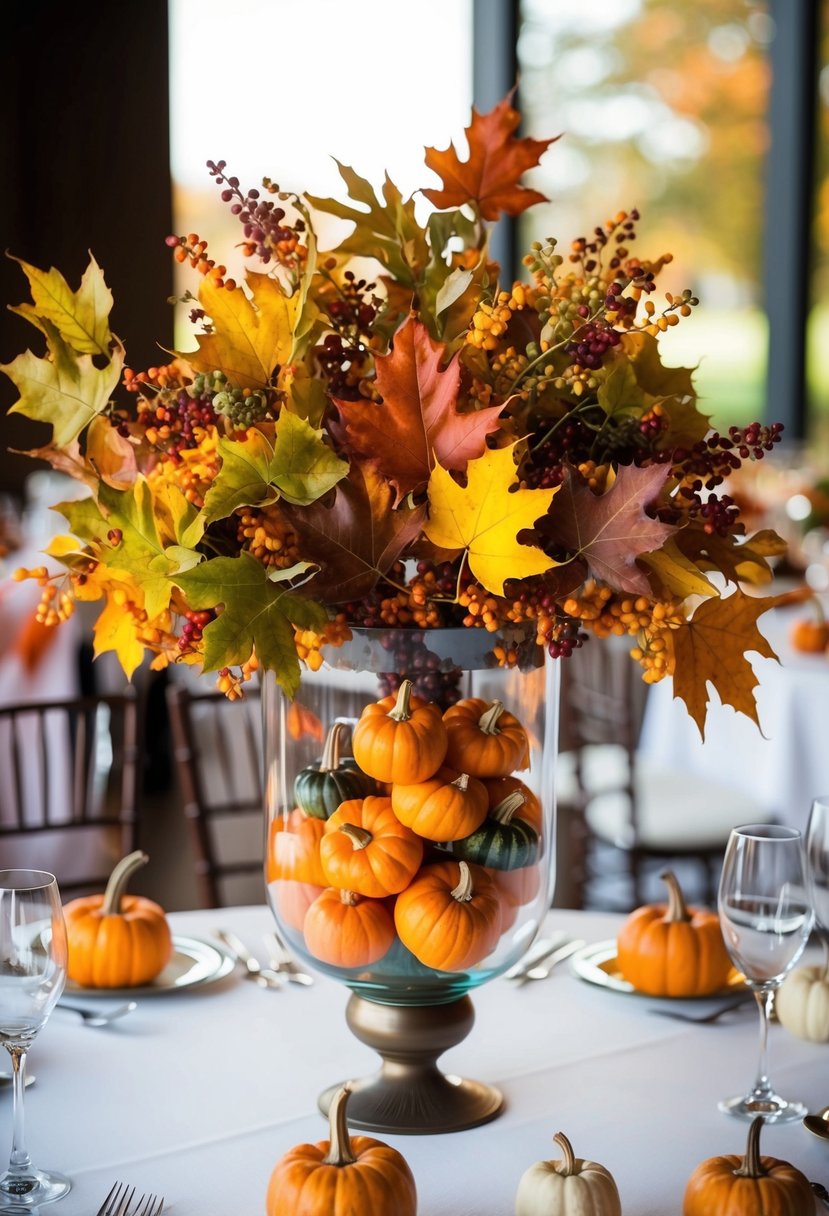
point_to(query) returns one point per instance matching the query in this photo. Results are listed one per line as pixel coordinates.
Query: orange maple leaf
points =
(711, 647)
(490, 176)
(418, 423)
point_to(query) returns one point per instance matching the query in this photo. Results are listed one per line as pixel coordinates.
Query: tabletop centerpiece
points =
(398, 484)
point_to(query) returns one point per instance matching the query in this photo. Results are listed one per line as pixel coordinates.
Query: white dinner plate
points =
(598, 965)
(194, 962)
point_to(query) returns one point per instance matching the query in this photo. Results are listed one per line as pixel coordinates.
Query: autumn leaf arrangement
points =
(392, 434)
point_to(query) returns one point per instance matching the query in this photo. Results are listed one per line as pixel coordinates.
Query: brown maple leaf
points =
(490, 176)
(356, 539)
(711, 647)
(418, 422)
(612, 529)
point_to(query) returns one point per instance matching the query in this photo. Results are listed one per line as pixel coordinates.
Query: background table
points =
(197, 1094)
(786, 763)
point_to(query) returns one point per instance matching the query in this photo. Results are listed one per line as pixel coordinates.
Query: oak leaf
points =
(418, 423)
(496, 161)
(357, 538)
(611, 530)
(252, 335)
(711, 648)
(484, 517)
(257, 612)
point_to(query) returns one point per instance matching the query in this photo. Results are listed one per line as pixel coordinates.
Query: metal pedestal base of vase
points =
(410, 1095)
(410, 990)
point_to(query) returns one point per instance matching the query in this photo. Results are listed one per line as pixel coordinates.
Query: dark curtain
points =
(84, 158)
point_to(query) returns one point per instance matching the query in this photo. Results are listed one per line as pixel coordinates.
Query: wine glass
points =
(766, 918)
(32, 975)
(817, 868)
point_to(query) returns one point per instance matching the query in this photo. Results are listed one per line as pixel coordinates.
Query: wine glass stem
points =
(19, 1161)
(763, 997)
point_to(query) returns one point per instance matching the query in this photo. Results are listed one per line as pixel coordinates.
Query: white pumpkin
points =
(570, 1187)
(802, 1003)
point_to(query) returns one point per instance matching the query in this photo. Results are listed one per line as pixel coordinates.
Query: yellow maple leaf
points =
(117, 629)
(484, 518)
(252, 335)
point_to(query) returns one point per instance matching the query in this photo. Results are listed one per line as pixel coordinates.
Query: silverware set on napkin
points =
(282, 965)
(542, 957)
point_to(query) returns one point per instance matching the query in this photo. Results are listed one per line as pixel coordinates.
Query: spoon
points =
(818, 1124)
(97, 1017)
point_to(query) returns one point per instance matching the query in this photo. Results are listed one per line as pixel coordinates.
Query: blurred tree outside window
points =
(364, 82)
(662, 106)
(818, 333)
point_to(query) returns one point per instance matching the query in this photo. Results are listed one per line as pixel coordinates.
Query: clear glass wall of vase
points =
(410, 846)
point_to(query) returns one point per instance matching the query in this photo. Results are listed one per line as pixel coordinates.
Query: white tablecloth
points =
(196, 1095)
(784, 765)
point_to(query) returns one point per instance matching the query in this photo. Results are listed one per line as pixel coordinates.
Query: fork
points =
(701, 1019)
(282, 960)
(265, 977)
(119, 1203)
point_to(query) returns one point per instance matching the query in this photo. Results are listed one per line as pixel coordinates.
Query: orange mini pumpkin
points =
(294, 848)
(811, 637)
(117, 940)
(447, 806)
(365, 848)
(498, 788)
(484, 739)
(342, 1175)
(673, 950)
(347, 930)
(748, 1186)
(450, 916)
(293, 899)
(400, 738)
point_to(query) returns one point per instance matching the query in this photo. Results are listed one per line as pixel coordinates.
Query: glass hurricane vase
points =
(413, 886)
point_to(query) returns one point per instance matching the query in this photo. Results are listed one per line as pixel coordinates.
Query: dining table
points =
(198, 1092)
(782, 760)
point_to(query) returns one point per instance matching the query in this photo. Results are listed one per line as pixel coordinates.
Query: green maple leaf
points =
(299, 467)
(123, 530)
(80, 317)
(64, 389)
(386, 231)
(257, 612)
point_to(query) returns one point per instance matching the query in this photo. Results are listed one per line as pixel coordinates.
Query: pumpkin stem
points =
(340, 1151)
(331, 752)
(677, 907)
(752, 1166)
(463, 891)
(349, 898)
(402, 709)
(118, 880)
(507, 807)
(488, 721)
(358, 836)
(461, 782)
(569, 1156)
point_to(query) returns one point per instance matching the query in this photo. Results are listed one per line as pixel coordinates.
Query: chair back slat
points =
(70, 801)
(219, 769)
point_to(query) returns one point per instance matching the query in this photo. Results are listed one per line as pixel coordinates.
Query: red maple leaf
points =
(418, 422)
(356, 539)
(490, 176)
(612, 529)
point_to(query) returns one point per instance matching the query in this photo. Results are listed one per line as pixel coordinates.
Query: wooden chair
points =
(69, 787)
(627, 805)
(218, 761)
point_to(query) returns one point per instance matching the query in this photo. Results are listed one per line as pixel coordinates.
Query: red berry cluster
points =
(191, 631)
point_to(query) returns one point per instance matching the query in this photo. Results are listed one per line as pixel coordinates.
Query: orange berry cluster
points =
(56, 604)
(309, 643)
(193, 249)
(265, 534)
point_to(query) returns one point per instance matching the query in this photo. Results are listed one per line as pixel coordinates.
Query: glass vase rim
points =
(41, 879)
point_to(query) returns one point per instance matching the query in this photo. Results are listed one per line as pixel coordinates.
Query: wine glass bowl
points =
(33, 953)
(817, 867)
(766, 917)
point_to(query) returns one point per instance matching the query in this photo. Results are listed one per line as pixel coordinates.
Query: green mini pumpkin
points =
(320, 789)
(503, 841)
